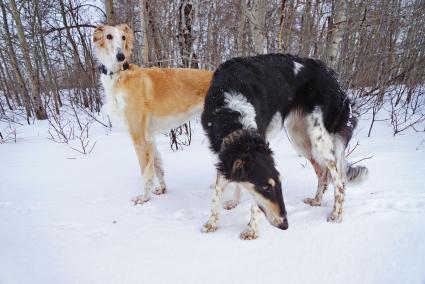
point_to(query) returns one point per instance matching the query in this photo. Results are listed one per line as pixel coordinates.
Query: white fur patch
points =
(159, 125)
(239, 103)
(326, 146)
(115, 101)
(322, 142)
(297, 67)
(274, 126)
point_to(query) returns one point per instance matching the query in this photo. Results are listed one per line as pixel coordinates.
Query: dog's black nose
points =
(284, 225)
(120, 57)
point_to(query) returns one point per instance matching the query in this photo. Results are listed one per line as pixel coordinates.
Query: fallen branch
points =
(367, 158)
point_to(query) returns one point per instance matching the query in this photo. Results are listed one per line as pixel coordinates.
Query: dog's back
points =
(278, 83)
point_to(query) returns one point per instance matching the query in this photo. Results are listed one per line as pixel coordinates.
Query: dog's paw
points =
(160, 190)
(335, 217)
(230, 204)
(312, 201)
(249, 234)
(140, 199)
(208, 228)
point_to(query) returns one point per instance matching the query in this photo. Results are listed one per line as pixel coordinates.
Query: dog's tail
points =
(357, 174)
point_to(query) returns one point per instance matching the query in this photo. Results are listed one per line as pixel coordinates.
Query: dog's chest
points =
(115, 100)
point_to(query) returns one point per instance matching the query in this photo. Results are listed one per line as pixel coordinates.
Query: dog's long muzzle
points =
(284, 224)
(278, 222)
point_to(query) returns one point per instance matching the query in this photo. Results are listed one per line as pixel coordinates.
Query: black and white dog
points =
(249, 98)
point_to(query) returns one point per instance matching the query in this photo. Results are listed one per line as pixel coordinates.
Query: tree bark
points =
(111, 18)
(241, 28)
(186, 18)
(144, 30)
(305, 35)
(336, 25)
(40, 111)
(14, 62)
(257, 23)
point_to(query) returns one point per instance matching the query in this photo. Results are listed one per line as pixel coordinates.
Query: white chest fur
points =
(115, 100)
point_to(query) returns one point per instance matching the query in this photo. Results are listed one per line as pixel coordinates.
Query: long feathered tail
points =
(356, 174)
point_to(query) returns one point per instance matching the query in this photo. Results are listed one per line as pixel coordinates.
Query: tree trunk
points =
(144, 30)
(241, 28)
(305, 35)
(281, 25)
(336, 25)
(50, 77)
(186, 18)
(257, 23)
(15, 66)
(111, 19)
(40, 111)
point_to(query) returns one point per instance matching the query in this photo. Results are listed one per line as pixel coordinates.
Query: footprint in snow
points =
(67, 226)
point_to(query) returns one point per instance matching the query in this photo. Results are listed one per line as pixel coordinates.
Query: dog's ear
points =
(264, 148)
(129, 34)
(238, 169)
(126, 28)
(98, 33)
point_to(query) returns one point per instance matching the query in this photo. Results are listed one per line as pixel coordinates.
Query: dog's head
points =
(114, 45)
(248, 161)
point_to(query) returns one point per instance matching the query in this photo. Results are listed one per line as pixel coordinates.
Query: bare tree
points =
(335, 29)
(144, 29)
(110, 12)
(257, 23)
(373, 45)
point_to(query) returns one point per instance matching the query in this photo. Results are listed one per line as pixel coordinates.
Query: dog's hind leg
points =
(211, 224)
(322, 184)
(251, 232)
(159, 172)
(327, 150)
(232, 203)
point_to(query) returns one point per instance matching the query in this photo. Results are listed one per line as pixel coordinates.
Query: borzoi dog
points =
(150, 100)
(248, 100)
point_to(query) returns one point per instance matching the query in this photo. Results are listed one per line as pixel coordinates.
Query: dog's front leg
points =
(232, 203)
(146, 156)
(211, 224)
(251, 232)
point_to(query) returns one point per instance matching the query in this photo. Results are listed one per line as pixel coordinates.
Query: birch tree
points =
(40, 111)
(336, 27)
(144, 29)
(257, 22)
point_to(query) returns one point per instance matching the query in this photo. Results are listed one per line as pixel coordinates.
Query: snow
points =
(67, 218)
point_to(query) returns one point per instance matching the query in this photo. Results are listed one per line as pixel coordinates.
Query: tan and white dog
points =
(149, 100)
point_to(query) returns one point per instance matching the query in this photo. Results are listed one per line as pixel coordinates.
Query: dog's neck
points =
(234, 136)
(105, 71)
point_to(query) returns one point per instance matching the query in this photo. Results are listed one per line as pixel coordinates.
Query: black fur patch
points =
(269, 83)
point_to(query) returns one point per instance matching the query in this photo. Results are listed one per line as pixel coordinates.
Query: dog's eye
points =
(109, 36)
(123, 37)
(267, 188)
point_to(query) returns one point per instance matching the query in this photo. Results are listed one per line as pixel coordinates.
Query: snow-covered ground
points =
(67, 218)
